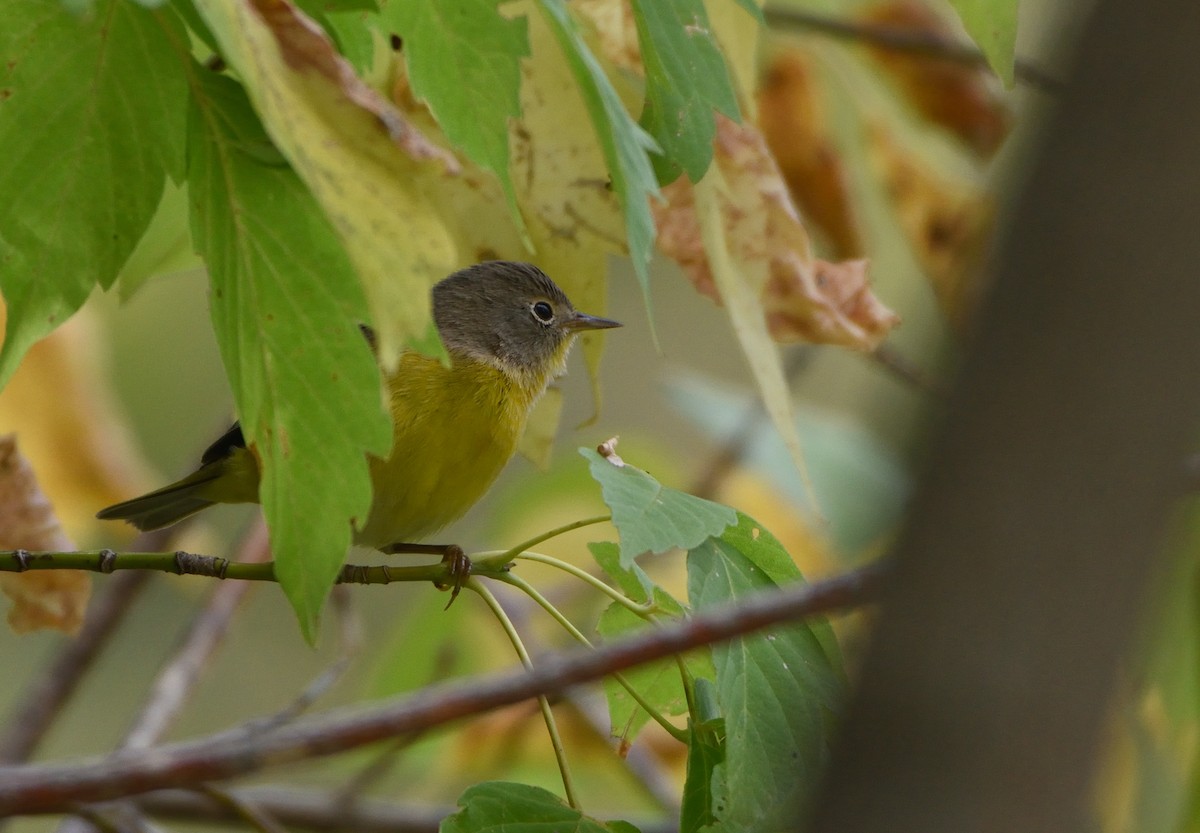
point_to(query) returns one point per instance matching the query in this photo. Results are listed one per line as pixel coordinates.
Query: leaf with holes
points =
(650, 516)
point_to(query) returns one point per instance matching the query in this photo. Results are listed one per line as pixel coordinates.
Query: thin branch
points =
(177, 681)
(907, 371)
(51, 788)
(318, 812)
(351, 640)
(245, 811)
(190, 564)
(923, 43)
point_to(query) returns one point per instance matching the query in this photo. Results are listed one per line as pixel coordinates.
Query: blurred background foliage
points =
(131, 390)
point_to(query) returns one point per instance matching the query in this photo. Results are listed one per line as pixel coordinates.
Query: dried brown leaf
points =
(306, 48)
(792, 117)
(70, 429)
(963, 99)
(359, 155)
(50, 599)
(770, 248)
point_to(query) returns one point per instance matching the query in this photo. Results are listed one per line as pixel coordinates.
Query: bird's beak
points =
(583, 321)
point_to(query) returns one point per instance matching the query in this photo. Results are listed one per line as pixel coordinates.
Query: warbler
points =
(507, 329)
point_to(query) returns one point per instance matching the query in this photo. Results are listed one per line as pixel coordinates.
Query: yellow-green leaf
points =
(356, 152)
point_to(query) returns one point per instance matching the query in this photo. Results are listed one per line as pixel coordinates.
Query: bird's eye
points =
(543, 312)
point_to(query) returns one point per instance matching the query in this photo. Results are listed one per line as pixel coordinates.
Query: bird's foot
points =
(458, 563)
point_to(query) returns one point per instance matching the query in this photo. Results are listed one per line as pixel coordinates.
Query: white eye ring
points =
(543, 312)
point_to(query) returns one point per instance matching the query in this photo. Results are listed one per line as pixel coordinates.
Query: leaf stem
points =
(560, 755)
(643, 610)
(553, 533)
(529, 590)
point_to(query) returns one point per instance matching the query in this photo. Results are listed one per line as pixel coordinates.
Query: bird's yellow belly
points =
(454, 432)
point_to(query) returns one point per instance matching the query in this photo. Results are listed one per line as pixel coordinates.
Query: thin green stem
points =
(545, 604)
(560, 753)
(546, 536)
(642, 610)
(186, 563)
(689, 687)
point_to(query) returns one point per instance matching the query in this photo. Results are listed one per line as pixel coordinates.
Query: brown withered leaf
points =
(804, 299)
(71, 431)
(960, 98)
(358, 154)
(792, 117)
(844, 284)
(45, 599)
(947, 223)
(306, 48)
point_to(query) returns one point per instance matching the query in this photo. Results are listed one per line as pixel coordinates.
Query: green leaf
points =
(993, 26)
(357, 153)
(632, 579)
(319, 7)
(706, 752)
(779, 689)
(650, 516)
(686, 79)
(359, 36)
(624, 143)
(92, 119)
(659, 683)
(464, 60)
(286, 308)
(504, 807)
(166, 247)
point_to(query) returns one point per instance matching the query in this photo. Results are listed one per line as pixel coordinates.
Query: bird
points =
(507, 328)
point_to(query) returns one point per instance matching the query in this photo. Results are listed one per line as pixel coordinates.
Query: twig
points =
(245, 811)
(906, 370)
(318, 812)
(190, 564)
(50, 788)
(350, 795)
(351, 637)
(906, 40)
(177, 681)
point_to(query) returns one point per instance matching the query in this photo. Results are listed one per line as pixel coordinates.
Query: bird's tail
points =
(170, 504)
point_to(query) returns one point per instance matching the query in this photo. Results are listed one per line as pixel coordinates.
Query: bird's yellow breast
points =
(455, 428)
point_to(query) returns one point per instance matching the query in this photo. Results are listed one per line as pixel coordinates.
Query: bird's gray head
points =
(509, 315)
